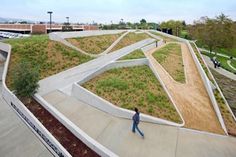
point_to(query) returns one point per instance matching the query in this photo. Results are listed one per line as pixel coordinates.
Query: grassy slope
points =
(170, 57)
(129, 39)
(94, 44)
(222, 60)
(51, 57)
(134, 55)
(134, 87)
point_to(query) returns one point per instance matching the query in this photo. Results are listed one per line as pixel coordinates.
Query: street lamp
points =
(68, 20)
(50, 13)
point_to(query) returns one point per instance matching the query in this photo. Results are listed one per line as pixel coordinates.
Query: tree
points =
(25, 81)
(215, 33)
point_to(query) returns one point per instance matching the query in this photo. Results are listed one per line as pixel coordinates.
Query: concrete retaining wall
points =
(27, 117)
(92, 99)
(65, 35)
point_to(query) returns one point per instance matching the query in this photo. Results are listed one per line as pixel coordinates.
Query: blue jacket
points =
(136, 118)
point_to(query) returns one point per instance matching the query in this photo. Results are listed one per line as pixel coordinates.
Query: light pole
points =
(67, 19)
(50, 13)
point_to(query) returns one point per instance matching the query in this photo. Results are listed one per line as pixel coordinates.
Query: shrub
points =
(25, 80)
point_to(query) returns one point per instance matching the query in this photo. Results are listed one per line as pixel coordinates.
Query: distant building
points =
(42, 28)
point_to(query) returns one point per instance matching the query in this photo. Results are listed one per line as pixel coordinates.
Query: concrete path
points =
(160, 140)
(219, 70)
(191, 97)
(66, 78)
(231, 66)
(218, 54)
(16, 139)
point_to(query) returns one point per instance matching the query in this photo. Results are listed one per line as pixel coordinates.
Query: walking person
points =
(136, 120)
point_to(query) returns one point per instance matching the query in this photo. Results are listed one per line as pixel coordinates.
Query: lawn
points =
(222, 60)
(94, 44)
(134, 87)
(167, 39)
(130, 39)
(49, 56)
(134, 55)
(170, 57)
(229, 52)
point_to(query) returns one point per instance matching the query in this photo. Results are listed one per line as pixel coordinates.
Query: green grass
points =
(134, 87)
(170, 57)
(134, 55)
(167, 39)
(130, 39)
(229, 52)
(222, 60)
(94, 44)
(233, 63)
(49, 56)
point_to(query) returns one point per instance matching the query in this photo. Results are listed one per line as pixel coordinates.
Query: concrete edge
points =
(80, 134)
(114, 44)
(26, 116)
(94, 100)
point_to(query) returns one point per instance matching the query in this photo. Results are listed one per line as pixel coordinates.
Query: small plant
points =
(25, 80)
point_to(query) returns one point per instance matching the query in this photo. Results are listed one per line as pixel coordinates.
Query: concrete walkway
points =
(218, 54)
(16, 139)
(160, 140)
(219, 70)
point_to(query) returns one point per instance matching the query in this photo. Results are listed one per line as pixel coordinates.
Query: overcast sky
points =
(105, 11)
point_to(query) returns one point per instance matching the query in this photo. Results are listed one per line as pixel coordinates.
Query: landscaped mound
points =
(134, 55)
(134, 87)
(49, 56)
(94, 44)
(170, 57)
(130, 39)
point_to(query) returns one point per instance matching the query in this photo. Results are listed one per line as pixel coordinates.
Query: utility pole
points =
(50, 13)
(68, 20)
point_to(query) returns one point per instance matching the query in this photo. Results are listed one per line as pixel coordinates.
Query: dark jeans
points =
(135, 126)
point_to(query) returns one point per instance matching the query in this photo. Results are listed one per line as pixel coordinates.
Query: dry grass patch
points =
(170, 57)
(49, 56)
(134, 87)
(130, 39)
(134, 55)
(94, 44)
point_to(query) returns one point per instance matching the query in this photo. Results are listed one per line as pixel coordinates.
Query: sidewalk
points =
(160, 140)
(16, 138)
(219, 70)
